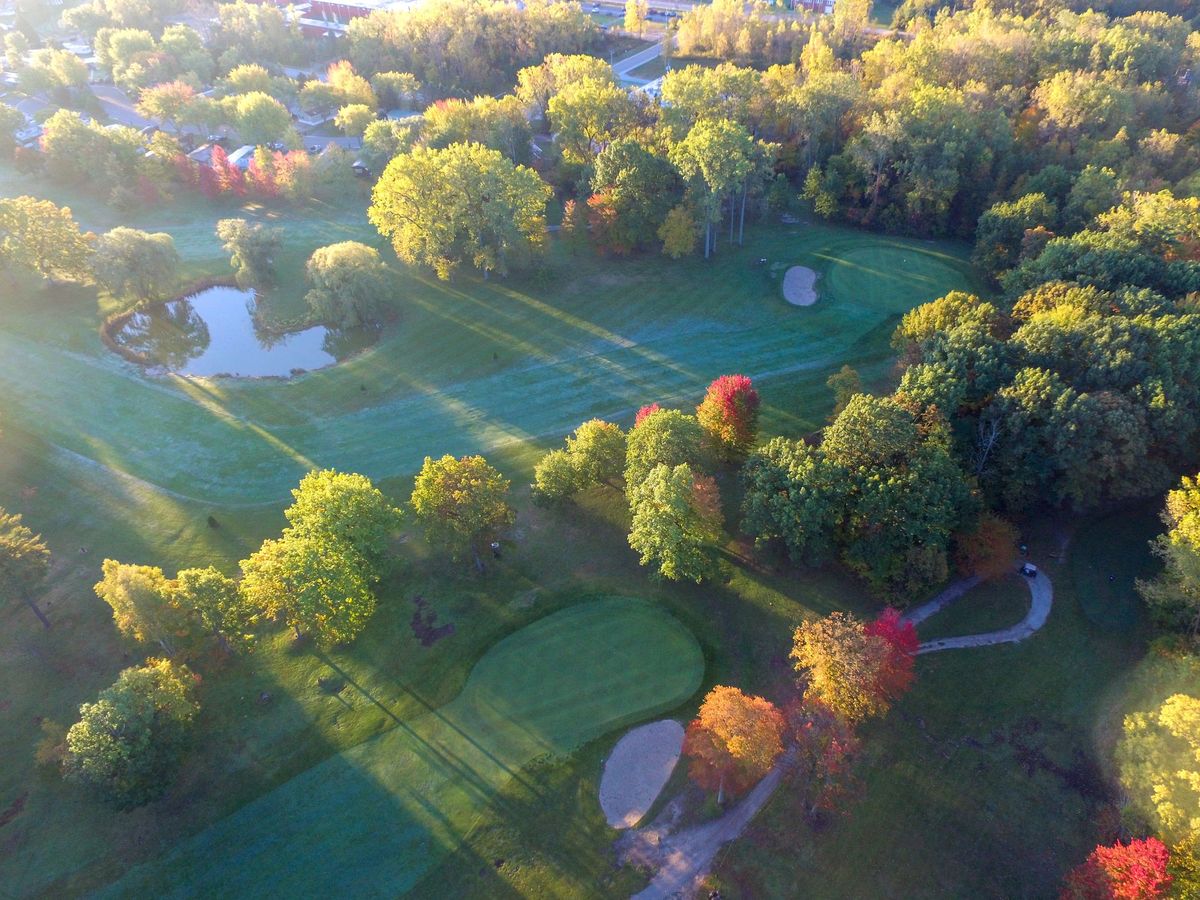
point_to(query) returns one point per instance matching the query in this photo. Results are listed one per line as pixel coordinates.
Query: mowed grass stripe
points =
(470, 366)
(373, 820)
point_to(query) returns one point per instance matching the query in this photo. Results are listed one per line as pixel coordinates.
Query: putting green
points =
(372, 821)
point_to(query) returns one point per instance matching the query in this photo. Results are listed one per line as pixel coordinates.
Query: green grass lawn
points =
(102, 459)
(991, 606)
(471, 365)
(375, 819)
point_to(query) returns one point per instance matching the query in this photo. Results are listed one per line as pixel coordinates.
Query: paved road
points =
(622, 67)
(1041, 593)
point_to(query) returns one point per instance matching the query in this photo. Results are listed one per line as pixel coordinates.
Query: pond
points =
(214, 332)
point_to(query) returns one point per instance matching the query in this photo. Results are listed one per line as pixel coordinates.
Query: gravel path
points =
(637, 769)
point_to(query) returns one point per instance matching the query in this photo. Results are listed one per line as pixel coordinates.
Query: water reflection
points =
(214, 332)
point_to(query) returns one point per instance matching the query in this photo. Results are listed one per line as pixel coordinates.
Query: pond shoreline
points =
(152, 367)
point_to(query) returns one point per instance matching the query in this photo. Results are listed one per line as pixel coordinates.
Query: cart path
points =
(1041, 592)
(683, 858)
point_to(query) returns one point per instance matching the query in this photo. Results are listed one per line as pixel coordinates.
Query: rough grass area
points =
(375, 819)
(990, 606)
(987, 779)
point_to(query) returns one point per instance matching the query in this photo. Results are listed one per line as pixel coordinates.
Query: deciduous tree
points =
(142, 605)
(461, 502)
(127, 745)
(1158, 757)
(661, 437)
(989, 549)
(729, 415)
(354, 118)
(24, 562)
(733, 742)
(252, 248)
(676, 522)
(218, 603)
(465, 203)
(350, 285)
(1133, 871)
(1174, 596)
(37, 236)
(842, 666)
(137, 264)
(314, 582)
(348, 508)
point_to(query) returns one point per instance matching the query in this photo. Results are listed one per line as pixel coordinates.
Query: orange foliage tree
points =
(989, 549)
(733, 741)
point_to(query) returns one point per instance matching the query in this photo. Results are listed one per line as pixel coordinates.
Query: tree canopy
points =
(127, 745)
(462, 204)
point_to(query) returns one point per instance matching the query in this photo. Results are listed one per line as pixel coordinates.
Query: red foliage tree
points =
(260, 175)
(896, 675)
(602, 221)
(826, 747)
(228, 177)
(733, 741)
(729, 414)
(648, 410)
(1133, 871)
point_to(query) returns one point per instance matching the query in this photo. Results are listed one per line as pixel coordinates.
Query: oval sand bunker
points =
(637, 769)
(799, 286)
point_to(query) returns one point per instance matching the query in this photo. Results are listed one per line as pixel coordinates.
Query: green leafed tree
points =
(215, 600)
(676, 522)
(142, 604)
(37, 236)
(24, 562)
(316, 583)
(350, 285)
(126, 746)
(665, 437)
(136, 264)
(1174, 596)
(461, 502)
(597, 450)
(462, 204)
(555, 478)
(252, 249)
(794, 495)
(353, 119)
(347, 508)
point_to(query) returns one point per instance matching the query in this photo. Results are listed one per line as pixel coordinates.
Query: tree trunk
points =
(36, 611)
(707, 232)
(731, 196)
(742, 224)
(721, 792)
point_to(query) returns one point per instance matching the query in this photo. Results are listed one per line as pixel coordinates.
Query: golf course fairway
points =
(372, 821)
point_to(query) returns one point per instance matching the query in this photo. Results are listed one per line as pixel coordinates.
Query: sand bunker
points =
(637, 769)
(799, 286)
